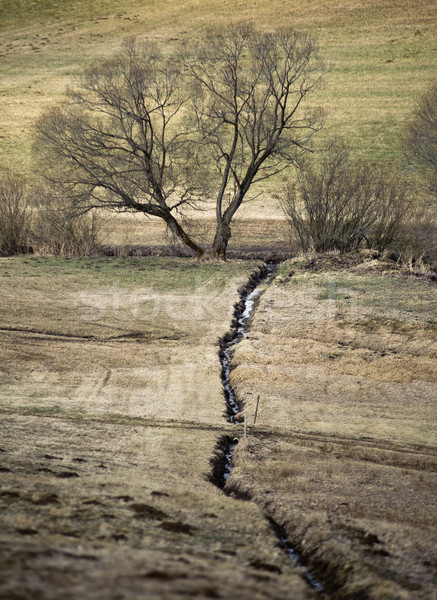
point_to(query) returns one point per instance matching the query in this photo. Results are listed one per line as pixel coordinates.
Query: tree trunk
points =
(221, 239)
(182, 235)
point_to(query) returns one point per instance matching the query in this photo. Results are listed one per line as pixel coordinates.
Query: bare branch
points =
(248, 88)
(112, 143)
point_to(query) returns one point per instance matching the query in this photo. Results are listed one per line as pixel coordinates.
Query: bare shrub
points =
(390, 210)
(416, 247)
(15, 213)
(58, 230)
(339, 204)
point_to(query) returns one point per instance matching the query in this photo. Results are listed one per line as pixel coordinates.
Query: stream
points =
(243, 313)
(222, 460)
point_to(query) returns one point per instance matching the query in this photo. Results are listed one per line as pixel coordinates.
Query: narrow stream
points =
(222, 460)
(240, 325)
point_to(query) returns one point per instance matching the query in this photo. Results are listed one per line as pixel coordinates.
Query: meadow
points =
(381, 57)
(111, 397)
(111, 406)
(343, 453)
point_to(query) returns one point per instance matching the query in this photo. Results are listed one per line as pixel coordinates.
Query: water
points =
(240, 330)
(228, 463)
(295, 557)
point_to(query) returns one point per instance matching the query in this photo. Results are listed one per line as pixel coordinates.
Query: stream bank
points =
(221, 462)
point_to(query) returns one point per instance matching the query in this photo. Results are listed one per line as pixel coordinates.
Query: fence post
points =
(256, 410)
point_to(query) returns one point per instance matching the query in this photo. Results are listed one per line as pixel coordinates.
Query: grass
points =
(382, 58)
(158, 274)
(110, 374)
(110, 366)
(343, 454)
(149, 324)
(108, 425)
(384, 299)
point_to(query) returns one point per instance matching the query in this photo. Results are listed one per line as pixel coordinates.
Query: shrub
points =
(58, 230)
(338, 204)
(416, 247)
(420, 140)
(15, 213)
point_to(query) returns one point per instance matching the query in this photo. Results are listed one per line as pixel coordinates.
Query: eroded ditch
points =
(221, 462)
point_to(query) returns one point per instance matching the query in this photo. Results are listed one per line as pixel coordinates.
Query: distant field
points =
(382, 56)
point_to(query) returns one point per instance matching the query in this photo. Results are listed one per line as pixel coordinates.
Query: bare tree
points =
(114, 142)
(249, 91)
(420, 140)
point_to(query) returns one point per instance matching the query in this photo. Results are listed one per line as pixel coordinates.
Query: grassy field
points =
(111, 406)
(381, 56)
(132, 316)
(343, 454)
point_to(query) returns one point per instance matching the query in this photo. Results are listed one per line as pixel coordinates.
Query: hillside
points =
(381, 55)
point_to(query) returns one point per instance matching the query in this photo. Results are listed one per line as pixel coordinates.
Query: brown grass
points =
(382, 56)
(252, 237)
(344, 450)
(111, 405)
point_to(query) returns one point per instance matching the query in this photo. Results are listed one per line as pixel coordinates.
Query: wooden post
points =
(256, 410)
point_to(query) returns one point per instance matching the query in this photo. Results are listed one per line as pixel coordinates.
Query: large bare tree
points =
(249, 91)
(115, 142)
(420, 140)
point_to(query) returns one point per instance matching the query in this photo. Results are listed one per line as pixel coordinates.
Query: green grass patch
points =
(11, 10)
(158, 274)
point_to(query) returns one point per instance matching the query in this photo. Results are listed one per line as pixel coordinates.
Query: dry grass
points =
(252, 237)
(149, 324)
(344, 450)
(382, 56)
(100, 508)
(109, 374)
(356, 337)
(111, 406)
